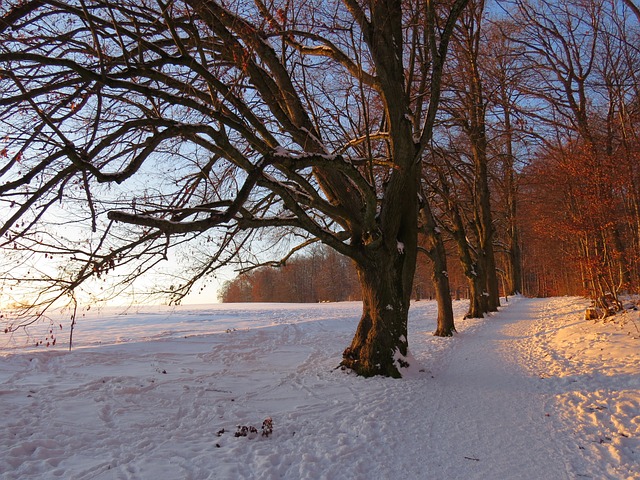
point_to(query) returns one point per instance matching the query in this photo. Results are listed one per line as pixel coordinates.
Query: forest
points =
(374, 149)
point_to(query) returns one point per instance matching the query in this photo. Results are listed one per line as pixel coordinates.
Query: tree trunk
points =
(473, 269)
(436, 251)
(474, 124)
(386, 266)
(380, 345)
(515, 264)
(514, 257)
(483, 219)
(493, 289)
(446, 326)
(478, 297)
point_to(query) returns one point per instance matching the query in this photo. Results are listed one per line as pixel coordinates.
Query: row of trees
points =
(240, 132)
(535, 181)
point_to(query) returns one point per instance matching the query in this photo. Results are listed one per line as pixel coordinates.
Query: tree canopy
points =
(157, 123)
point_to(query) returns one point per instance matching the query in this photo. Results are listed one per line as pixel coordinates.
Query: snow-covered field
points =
(532, 392)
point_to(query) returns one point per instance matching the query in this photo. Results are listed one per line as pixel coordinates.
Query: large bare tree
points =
(132, 127)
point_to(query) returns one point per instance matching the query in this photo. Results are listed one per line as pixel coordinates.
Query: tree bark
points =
(514, 285)
(478, 297)
(493, 289)
(514, 257)
(473, 122)
(474, 272)
(379, 346)
(470, 261)
(483, 217)
(437, 253)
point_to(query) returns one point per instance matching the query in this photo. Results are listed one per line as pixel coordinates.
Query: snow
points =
(281, 151)
(533, 391)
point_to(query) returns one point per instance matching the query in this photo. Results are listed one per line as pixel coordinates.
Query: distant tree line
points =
(321, 275)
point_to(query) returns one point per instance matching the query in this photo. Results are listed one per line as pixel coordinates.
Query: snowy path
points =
(532, 392)
(492, 412)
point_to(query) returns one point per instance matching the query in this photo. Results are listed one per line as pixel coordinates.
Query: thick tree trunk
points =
(478, 297)
(385, 269)
(388, 243)
(380, 345)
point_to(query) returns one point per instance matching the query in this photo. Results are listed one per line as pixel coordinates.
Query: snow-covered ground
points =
(532, 392)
